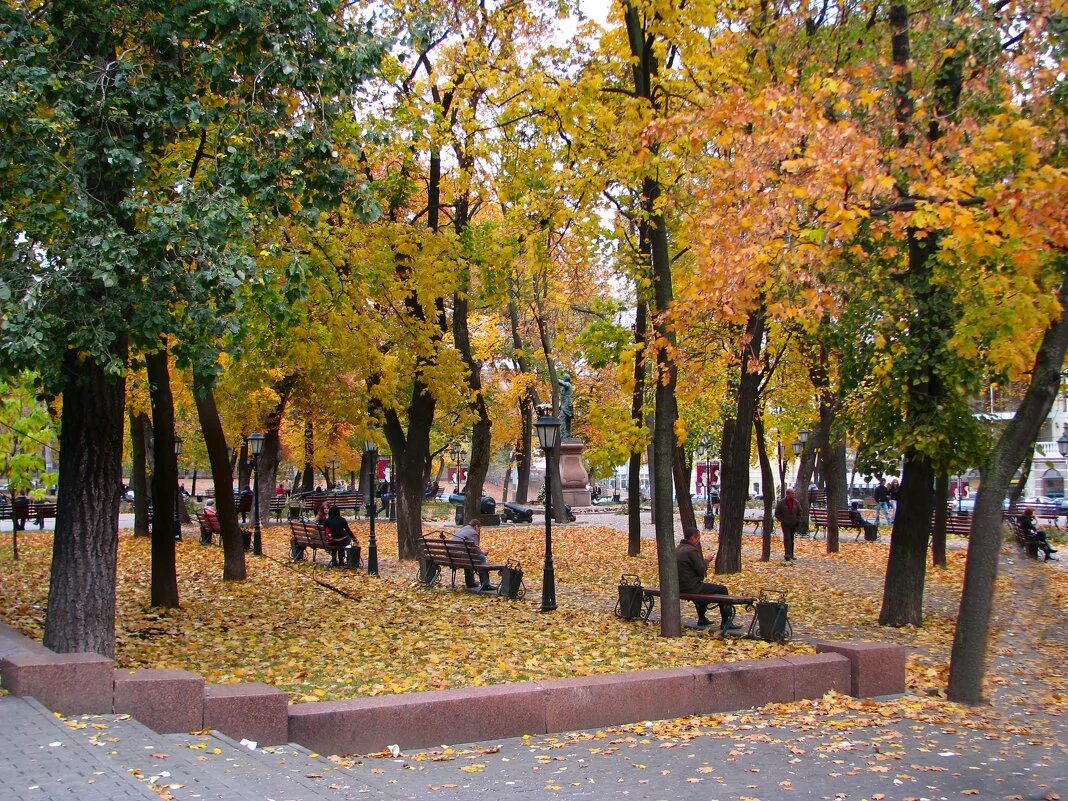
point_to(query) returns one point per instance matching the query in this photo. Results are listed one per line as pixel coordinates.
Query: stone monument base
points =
(573, 476)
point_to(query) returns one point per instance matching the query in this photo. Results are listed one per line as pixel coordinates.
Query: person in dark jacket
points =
(881, 496)
(788, 513)
(340, 534)
(20, 511)
(692, 567)
(1035, 534)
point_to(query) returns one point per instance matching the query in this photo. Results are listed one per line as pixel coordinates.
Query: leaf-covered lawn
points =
(283, 628)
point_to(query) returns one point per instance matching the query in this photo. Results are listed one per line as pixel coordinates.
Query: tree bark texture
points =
(81, 590)
(767, 481)
(735, 482)
(222, 478)
(307, 476)
(681, 472)
(938, 531)
(906, 567)
(164, 482)
(140, 427)
(478, 466)
(967, 664)
(527, 402)
(637, 416)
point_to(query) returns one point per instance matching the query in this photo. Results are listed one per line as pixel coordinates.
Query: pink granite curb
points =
(179, 701)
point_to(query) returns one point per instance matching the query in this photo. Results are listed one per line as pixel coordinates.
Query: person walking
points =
(882, 502)
(788, 513)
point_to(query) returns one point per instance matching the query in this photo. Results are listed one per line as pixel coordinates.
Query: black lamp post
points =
(334, 464)
(706, 447)
(548, 428)
(255, 446)
(177, 489)
(458, 453)
(370, 452)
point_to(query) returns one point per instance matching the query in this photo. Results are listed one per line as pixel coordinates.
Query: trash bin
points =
(629, 605)
(511, 580)
(772, 616)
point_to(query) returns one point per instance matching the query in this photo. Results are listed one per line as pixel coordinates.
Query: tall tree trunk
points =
(681, 473)
(834, 468)
(768, 482)
(906, 567)
(478, 466)
(1017, 488)
(527, 404)
(805, 464)
(140, 428)
(410, 453)
(644, 69)
(932, 322)
(164, 482)
(307, 483)
(637, 416)
(938, 532)
(222, 477)
(735, 482)
(828, 442)
(967, 663)
(81, 593)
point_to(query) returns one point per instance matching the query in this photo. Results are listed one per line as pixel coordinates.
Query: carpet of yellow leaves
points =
(285, 628)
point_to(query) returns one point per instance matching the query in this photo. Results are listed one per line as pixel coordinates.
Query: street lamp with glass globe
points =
(255, 447)
(548, 428)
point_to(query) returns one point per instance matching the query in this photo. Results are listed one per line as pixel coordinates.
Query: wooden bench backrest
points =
(822, 516)
(451, 553)
(310, 534)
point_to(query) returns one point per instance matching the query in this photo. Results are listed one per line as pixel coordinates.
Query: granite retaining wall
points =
(177, 700)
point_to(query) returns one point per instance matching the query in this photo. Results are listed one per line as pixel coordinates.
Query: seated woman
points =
(1035, 534)
(341, 534)
(323, 513)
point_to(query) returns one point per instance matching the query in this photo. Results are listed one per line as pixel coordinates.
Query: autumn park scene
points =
(618, 398)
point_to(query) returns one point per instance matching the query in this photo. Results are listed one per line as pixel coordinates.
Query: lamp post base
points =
(710, 520)
(548, 589)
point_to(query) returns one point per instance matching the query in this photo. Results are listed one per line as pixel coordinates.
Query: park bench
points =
(310, 504)
(211, 528)
(1043, 511)
(277, 506)
(40, 511)
(821, 517)
(441, 552)
(650, 594)
(1012, 520)
(959, 525)
(311, 535)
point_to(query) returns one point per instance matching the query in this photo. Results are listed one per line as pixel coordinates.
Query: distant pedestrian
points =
(20, 511)
(893, 493)
(882, 502)
(788, 513)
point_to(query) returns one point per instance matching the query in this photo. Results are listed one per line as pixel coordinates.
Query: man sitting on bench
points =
(693, 566)
(471, 533)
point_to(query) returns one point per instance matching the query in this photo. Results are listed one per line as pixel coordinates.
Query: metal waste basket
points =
(629, 605)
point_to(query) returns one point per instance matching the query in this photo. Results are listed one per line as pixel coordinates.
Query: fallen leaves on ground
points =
(284, 628)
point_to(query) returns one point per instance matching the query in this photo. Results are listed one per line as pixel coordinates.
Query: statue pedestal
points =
(573, 476)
